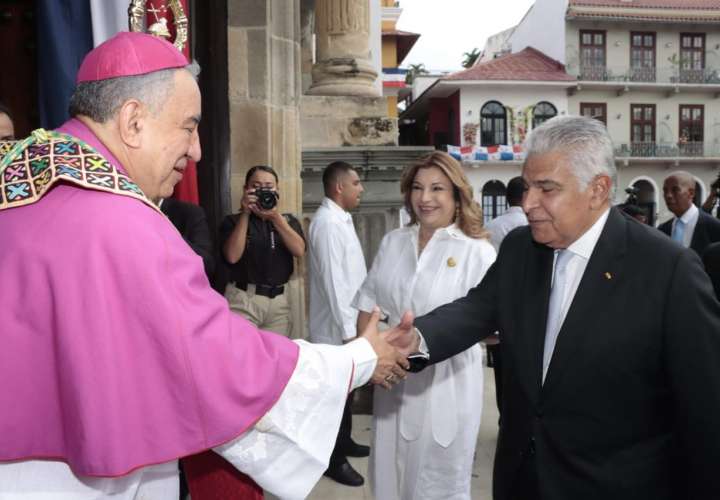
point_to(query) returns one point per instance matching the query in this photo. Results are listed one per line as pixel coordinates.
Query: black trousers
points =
(343, 441)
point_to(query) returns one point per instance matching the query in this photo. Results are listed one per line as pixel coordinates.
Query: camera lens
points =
(267, 198)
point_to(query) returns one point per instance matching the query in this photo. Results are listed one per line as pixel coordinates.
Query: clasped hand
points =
(392, 348)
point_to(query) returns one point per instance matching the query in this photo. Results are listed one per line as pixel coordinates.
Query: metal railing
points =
(671, 75)
(666, 150)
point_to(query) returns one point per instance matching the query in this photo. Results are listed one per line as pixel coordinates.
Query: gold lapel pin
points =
(608, 276)
(451, 262)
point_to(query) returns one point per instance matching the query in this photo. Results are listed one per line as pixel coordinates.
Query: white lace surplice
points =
(286, 452)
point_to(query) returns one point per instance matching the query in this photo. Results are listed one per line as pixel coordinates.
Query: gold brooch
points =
(451, 262)
(608, 276)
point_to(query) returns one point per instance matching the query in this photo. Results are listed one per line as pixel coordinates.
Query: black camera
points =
(266, 198)
(632, 198)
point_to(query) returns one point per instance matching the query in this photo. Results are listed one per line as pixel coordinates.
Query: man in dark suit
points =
(691, 227)
(610, 336)
(192, 225)
(711, 259)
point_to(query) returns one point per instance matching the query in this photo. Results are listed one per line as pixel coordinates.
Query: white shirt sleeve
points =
(287, 451)
(331, 261)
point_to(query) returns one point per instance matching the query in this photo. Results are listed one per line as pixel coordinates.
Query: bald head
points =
(679, 191)
(7, 128)
(685, 179)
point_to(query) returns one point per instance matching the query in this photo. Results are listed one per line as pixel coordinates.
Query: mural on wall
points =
(519, 120)
(470, 133)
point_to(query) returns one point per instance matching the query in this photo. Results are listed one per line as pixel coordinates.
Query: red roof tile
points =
(656, 4)
(638, 16)
(528, 64)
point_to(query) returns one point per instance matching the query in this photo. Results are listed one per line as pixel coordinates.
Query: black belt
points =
(269, 291)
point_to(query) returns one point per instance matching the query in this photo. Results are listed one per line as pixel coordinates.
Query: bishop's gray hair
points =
(584, 142)
(100, 100)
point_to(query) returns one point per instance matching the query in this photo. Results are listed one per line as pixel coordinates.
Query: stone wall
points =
(333, 121)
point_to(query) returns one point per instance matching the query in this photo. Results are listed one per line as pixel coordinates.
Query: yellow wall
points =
(389, 56)
(392, 106)
(389, 52)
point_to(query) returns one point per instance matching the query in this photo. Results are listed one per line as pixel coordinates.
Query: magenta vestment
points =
(116, 353)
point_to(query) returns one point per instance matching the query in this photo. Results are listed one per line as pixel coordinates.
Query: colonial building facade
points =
(649, 70)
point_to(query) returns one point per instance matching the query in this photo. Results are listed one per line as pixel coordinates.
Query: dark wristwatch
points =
(418, 361)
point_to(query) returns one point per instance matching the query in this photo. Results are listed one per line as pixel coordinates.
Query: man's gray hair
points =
(584, 142)
(100, 100)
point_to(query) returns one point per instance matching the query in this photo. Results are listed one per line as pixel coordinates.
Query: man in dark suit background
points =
(711, 259)
(610, 337)
(691, 227)
(191, 223)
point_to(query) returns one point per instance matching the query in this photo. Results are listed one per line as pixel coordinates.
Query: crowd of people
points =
(119, 359)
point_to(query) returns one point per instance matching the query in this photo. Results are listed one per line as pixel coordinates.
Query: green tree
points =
(470, 57)
(413, 71)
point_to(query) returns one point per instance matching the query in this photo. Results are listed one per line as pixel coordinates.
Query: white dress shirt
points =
(690, 218)
(581, 250)
(336, 271)
(286, 451)
(500, 226)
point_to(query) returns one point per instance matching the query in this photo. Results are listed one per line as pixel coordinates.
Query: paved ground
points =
(327, 489)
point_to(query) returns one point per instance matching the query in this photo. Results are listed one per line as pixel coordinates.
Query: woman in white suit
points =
(425, 428)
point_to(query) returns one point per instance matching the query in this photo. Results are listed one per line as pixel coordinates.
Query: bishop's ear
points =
(131, 120)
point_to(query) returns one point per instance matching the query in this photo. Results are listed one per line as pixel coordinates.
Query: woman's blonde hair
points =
(469, 216)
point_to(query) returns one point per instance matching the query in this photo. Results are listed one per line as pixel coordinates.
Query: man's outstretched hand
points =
(403, 336)
(391, 364)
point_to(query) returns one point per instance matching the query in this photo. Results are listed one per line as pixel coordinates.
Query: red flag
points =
(187, 188)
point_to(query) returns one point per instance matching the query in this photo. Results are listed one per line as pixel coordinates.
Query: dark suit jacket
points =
(191, 223)
(707, 230)
(711, 259)
(635, 371)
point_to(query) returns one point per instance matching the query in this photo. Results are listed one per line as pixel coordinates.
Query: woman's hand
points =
(249, 201)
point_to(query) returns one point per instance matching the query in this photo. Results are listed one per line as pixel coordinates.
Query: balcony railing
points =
(670, 75)
(666, 150)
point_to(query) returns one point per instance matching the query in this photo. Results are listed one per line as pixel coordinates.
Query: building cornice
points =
(637, 14)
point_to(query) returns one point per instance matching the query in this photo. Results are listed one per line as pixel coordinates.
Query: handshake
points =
(392, 348)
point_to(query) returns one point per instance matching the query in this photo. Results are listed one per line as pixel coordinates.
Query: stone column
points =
(344, 66)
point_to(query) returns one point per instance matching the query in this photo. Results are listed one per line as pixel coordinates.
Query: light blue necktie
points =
(679, 232)
(555, 318)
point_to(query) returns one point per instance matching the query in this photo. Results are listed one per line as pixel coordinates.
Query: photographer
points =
(259, 244)
(632, 206)
(712, 198)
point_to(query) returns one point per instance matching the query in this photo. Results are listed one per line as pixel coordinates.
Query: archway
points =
(493, 200)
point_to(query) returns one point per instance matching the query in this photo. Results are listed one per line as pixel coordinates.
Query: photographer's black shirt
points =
(266, 260)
